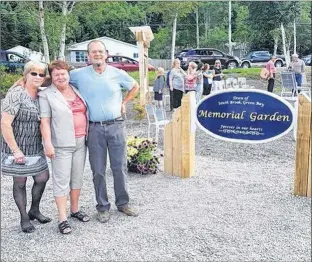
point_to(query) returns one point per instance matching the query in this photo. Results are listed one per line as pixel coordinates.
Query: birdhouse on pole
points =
(144, 36)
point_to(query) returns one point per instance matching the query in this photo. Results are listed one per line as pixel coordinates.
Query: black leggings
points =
(207, 89)
(19, 194)
(177, 97)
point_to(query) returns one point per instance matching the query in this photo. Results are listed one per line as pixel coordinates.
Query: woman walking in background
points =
(64, 128)
(176, 81)
(159, 86)
(217, 77)
(22, 152)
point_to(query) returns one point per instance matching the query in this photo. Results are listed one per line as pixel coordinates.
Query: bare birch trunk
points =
(206, 16)
(67, 7)
(295, 36)
(61, 54)
(287, 59)
(197, 28)
(230, 28)
(275, 45)
(174, 31)
(43, 34)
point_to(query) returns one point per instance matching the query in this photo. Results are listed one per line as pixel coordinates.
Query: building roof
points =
(75, 46)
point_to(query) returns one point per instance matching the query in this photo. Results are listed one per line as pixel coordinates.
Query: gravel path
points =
(239, 206)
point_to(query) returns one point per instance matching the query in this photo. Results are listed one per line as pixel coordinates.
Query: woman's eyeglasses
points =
(35, 74)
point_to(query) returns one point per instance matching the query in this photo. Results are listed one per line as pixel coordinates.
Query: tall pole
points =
(197, 29)
(230, 28)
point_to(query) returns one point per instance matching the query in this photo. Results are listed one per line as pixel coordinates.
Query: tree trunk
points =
(43, 34)
(61, 54)
(174, 31)
(197, 28)
(287, 60)
(295, 40)
(230, 28)
(206, 17)
(275, 45)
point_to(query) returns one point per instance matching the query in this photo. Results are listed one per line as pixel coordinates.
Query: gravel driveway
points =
(238, 207)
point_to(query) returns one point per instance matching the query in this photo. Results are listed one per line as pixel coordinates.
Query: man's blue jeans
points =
(109, 138)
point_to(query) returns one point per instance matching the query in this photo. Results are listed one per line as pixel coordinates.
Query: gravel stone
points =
(239, 206)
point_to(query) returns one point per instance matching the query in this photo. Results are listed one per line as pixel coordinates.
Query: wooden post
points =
(143, 35)
(187, 138)
(302, 179)
(176, 143)
(179, 142)
(168, 149)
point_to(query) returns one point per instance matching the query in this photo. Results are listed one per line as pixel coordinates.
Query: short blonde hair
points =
(161, 70)
(32, 65)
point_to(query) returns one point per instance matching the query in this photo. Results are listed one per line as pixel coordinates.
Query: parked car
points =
(207, 56)
(260, 58)
(125, 63)
(12, 61)
(307, 60)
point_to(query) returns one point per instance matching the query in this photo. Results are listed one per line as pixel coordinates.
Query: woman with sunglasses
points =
(22, 152)
(64, 128)
(217, 77)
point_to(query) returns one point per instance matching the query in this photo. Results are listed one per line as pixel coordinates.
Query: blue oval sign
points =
(244, 115)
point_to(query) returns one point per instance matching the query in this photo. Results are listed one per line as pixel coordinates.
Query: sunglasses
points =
(35, 74)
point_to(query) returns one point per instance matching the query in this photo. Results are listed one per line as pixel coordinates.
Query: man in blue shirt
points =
(101, 87)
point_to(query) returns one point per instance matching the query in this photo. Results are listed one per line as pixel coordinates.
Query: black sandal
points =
(64, 227)
(81, 216)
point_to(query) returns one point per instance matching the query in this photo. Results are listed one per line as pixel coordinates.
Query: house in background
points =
(30, 54)
(77, 53)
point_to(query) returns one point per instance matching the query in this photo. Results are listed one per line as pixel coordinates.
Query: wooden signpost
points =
(302, 178)
(144, 36)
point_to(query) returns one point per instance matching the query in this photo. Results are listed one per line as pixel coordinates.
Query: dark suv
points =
(12, 61)
(260, 58)
(207, 56)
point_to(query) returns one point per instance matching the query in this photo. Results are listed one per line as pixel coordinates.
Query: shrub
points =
(141, 156)
(140, 112)
(7, 80)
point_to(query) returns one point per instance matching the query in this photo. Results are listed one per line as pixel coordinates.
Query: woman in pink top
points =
(64, 123)
(190, 79)
(272, 71)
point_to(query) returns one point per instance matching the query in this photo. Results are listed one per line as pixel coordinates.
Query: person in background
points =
(207, 79)
(199, 82)
(176, 82)
(159, 86)
(271, 73)
(22, 152)
(170, 91)
(191, 78)
(101, 86)
(298, 66)
(63, 115)
(217, 76)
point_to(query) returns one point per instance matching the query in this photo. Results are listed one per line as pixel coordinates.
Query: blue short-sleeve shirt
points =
(102, 92)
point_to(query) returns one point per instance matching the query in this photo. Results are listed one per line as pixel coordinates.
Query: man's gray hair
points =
(95, 41)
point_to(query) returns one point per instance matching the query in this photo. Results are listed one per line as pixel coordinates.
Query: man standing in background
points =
(297, 65)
